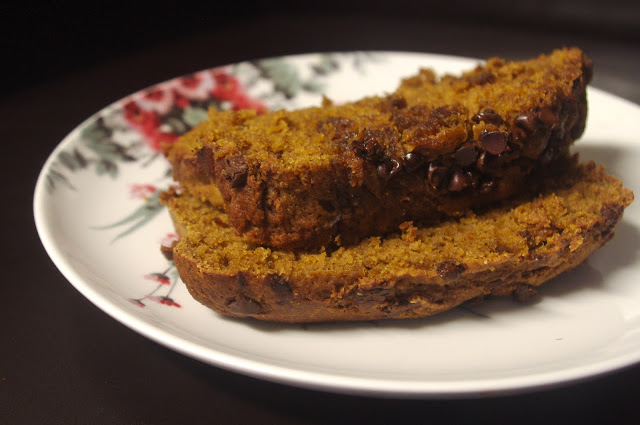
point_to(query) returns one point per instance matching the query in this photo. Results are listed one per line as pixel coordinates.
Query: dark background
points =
(64, 361)
(45, 40)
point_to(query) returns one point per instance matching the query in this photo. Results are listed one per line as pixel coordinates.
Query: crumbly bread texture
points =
(510, 249)
(435, 148)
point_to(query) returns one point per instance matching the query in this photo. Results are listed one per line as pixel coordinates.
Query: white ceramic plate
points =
(97, 214)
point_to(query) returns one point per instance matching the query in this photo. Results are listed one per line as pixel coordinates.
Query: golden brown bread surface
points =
(332, 175)
(506, 250)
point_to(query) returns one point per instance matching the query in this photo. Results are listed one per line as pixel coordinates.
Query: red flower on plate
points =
(149, 124)
(158, 277)
(181, 101)
(165, 300)
(158, 113)
(191, 81)
(228, 88)
(142, 191)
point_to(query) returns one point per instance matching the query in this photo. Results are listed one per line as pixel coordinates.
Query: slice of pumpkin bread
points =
(509, 249)
(435, 148)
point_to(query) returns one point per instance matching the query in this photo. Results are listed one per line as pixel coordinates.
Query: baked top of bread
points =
(306, 138)
(335, 174)
(553, 227)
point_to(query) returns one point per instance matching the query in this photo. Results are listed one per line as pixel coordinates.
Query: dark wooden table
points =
(64, 361)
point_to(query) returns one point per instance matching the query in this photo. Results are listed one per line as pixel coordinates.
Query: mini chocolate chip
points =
(369, 146)
(393, 103)
(280, 287)
(525, 122)
(423, 150)
(471, 178)
(489, 116)
(340, 125)
(412, 161)
(436, 175)
(371, 295)
(495, 142)
(486, 186)
(466, 154)
(458, 181)
(327, 205)
(220, 223)
(557, 130)
(167, 251)
(450, 270)
(514, 147)
(237, 171)
(518, 135)
(547, 116)
(205, 160)
(244, 306)
(387, 168)
(587, 69)
(610, 215)
(482, 161)
(346, 198)
(551, 151)
(399, 102)
(524, 293)
(479, 78)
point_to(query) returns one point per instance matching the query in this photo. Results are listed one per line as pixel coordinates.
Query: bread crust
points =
(414, 155)
(420, 272)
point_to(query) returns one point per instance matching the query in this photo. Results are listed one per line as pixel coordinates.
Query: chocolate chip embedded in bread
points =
(466, 154)
(472, 178)
(341, 126)
(167, 250)
(243, 306)
(436, 176)
(495, 142)
(458, 181)
(392, 102)
(489, 116)
(486, 186)
(518, 135)
(205, 161)
(236, 171)
(482, 161)
(280, 287)
(525, 122)
(547, 116)
(371, 295)
(412, 162)
(480, 78)
(369, 146)
(387, 168)
(450, 270)
(524, 293)
(327, 205)
(587, 69)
